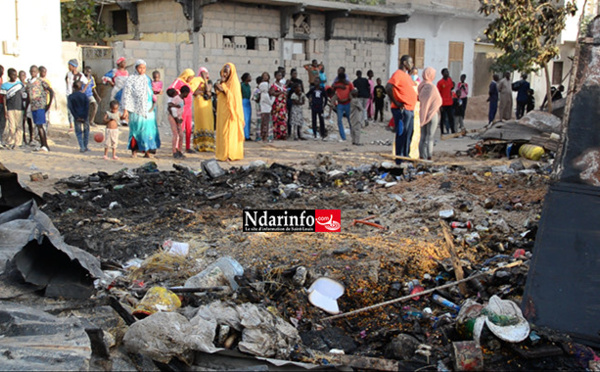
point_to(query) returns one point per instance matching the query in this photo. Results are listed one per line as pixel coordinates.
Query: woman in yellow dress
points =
(204, 120)
(230, 115)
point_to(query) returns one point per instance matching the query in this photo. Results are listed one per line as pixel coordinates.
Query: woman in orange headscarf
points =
(185, 78)
(230, 116)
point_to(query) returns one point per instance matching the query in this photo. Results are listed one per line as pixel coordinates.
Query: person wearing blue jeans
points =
(403, 96)
(404, 124)
(79, 107)
(342, 87)
(343, 109)
(246, 104)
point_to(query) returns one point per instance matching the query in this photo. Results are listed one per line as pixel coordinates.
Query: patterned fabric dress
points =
(279, 112)
(204, 121)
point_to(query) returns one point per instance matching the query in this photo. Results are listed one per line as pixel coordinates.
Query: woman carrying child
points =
(185, 79)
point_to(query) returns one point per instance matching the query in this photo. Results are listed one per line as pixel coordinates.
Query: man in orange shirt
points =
(400, 89)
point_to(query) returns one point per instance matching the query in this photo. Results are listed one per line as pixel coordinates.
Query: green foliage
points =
(526, 30)
(79, 20)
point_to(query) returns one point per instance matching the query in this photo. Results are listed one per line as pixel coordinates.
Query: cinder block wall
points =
(228, 30)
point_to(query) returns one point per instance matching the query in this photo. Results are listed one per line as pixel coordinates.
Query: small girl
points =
(175, 109)
(157, 86)
(111, 133)
(296, 118)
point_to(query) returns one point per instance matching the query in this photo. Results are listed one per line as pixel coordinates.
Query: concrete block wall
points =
(161, 16)
(223, 36)
(241, 20)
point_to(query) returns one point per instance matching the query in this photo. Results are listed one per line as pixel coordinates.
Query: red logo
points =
(328, 220)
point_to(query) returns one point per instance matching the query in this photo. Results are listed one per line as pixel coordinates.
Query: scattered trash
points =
(324, 292)
(157, 299)
(505, 319)
(38, 177)
(467, 356)
(212, 168)
(221, 272)
(176, 248)
(446, 213)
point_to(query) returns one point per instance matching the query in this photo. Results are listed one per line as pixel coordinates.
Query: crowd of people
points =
(207, 116)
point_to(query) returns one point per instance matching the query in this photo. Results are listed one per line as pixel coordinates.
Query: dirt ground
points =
(64, 159)
(119, 215)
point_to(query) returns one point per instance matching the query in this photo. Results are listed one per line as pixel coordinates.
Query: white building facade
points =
(31, 35)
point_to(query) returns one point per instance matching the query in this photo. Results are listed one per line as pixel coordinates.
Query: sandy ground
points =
(64, 159)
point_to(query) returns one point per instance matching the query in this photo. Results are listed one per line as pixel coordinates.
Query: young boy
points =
(38, 91)
(92, 95)
(43, 73)
(12, 91)
(79, 107)
(318, 100)
(175, 109)
(356, 117)
(72, 76)
(112, 119)
(379, 97)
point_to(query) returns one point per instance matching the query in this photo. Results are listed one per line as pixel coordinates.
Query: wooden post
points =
(458, 270)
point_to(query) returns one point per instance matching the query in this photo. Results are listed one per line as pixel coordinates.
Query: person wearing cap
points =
(72, 76)
(204, 120)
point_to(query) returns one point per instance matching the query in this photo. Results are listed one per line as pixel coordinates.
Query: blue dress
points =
(143, 131)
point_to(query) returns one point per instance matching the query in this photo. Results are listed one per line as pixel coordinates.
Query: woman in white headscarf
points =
(137, 100)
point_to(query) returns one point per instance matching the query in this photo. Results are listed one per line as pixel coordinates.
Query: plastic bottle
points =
(411, 313)
(500, 319)
(444, 302)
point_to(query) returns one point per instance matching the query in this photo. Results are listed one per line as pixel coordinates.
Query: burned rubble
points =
(183, 287)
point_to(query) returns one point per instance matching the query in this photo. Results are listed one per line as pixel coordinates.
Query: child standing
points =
(379, 97)
(12, 91)
(157, 87)
(266, 104)
(175, 109)
(92, 95)
(112, 119)
(356, 117)
(38, 91)
(318, 100)
(296, 119)
(79, 107)
(462, 93)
